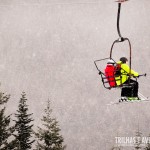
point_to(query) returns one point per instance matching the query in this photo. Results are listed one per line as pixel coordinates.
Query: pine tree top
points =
(3, 98)
(23, 124)
(48, 135)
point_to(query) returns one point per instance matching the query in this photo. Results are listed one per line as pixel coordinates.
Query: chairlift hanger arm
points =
(121, 39)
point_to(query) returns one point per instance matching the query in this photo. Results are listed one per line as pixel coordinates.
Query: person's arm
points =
(126, 68)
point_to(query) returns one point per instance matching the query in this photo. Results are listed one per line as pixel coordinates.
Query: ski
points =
(129, 101)
(142, 98)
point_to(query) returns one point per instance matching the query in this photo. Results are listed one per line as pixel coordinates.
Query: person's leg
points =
(135, 87)
(126, 91)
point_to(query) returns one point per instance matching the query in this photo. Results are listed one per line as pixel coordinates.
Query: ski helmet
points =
(123, 59)
(110, 61)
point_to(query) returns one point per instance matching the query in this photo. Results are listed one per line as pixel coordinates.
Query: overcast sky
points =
(47, 49)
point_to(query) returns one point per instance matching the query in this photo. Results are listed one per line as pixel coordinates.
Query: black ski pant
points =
(130, 91)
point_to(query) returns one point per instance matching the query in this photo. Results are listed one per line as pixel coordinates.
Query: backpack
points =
(112, 71)
(117, 70)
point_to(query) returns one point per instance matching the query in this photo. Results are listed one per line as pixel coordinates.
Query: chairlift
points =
(104, 78)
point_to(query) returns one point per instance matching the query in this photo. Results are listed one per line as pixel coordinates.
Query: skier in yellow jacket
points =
(123, 78)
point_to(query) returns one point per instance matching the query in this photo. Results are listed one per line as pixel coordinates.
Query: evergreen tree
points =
(23, 126)
(5, 130)
(138, 140)
(49, 137)
(148, 145)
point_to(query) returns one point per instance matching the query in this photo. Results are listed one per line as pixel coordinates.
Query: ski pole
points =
(142, 75)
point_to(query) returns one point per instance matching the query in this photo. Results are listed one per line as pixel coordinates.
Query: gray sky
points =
(47, 50)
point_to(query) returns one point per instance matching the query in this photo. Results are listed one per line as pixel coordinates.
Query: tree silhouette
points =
(138, 140)
(49, 137)
(148, 145)
(23, 126)
(5, 130)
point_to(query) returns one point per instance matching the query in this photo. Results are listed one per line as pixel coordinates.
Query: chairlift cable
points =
(50, 4)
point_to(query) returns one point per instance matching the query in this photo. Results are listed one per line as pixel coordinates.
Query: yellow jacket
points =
(125, 72)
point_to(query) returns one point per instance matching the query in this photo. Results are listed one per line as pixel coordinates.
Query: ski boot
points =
(133, 98)
(122, 99)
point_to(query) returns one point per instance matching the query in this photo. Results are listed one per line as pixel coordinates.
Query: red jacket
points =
(109, 73)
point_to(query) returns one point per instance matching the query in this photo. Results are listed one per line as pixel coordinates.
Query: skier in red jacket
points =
(109, 72)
